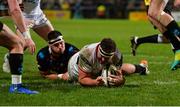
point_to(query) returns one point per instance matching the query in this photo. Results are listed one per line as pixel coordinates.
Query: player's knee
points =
(152, 14)
(18, 44)
(155, 14)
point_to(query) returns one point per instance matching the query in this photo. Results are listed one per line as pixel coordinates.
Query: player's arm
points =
(54, 76)
(17, 16)
(85, 79)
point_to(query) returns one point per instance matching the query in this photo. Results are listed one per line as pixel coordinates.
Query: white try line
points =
(155, 82)
(150, 56)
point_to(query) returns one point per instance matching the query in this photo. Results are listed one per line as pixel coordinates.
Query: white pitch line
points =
(149, 56)
(157, 82)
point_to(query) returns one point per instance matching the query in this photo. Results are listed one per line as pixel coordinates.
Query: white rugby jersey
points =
(88, 61)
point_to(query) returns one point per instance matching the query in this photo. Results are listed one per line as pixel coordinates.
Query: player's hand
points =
(99, 81)
(65, 76)
(52, 76)
(116, 80)
(30, 45)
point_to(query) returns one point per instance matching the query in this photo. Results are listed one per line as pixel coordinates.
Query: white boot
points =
(6, 67)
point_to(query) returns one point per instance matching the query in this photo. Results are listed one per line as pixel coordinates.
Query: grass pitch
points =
(159, 88)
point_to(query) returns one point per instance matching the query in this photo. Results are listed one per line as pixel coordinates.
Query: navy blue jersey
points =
(47, 63)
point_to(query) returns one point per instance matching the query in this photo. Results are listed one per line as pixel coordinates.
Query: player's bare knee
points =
(18, 44)
(152, 14)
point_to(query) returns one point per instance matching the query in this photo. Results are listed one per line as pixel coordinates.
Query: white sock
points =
(16, 79)
(159, 38)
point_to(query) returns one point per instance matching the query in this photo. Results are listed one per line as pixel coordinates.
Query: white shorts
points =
(39, 20)
(166, 1)
(73, 67)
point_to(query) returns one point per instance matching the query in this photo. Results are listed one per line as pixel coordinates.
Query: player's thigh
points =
(8, 38)
(156, 23)
(156, 6)
(44, 29)
(127, 68)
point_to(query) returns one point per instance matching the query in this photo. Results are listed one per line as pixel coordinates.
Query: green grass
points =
(160, 88)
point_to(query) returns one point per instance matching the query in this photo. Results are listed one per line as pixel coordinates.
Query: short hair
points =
(108, 46)
(54, 36)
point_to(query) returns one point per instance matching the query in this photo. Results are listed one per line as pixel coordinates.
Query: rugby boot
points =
(18, 88)
(176, 64)
(144, 63)
(134, 45)
(6, 66)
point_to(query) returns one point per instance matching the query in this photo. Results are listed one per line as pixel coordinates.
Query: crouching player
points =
(14, 44)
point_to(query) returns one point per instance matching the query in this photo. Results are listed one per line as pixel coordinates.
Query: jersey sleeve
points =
(72, 49)
(84, 60)
(41, 61)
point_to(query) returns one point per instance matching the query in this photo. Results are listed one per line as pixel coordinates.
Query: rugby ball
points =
(108, 70)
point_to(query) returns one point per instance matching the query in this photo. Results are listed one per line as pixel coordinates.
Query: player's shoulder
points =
(43, 52)
(70, 48)
(68, 45)
(89, 49)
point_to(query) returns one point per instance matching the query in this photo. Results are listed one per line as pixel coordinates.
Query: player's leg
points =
(43, 28)
(12, 42)
(173, 31)
(141, 68)
(137, 41)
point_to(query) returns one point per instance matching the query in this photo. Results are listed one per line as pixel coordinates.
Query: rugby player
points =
(15, 45)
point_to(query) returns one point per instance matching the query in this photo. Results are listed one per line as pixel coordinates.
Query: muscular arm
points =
(47, 75)
(54, 76)
(17, 15)
(85, 79)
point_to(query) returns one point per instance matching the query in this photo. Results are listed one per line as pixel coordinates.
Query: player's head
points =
(106, 50)
(56, 42)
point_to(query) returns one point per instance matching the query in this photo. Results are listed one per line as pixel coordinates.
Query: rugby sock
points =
(173, 34)
(167, 34)
(148, 39)
(15, 62)
(16, 79)
(139, 68)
